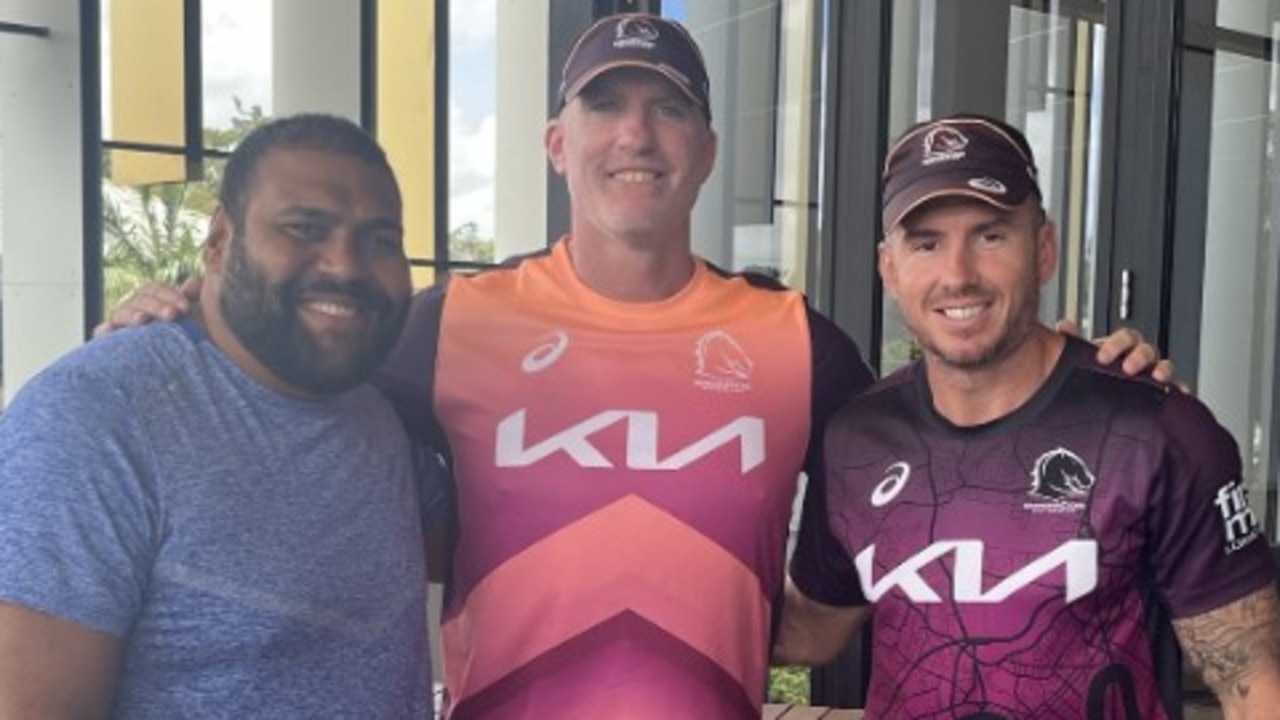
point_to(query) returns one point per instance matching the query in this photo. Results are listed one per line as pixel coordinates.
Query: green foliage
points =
(150, 236)
(467, 245)
(789, 685)
(155, 233)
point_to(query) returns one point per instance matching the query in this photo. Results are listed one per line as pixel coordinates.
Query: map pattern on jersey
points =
(626, 474)
(1013, 565)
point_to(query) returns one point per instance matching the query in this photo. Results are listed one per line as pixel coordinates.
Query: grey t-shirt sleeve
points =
(75, 516)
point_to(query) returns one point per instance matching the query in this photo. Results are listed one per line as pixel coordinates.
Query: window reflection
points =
(945, 56)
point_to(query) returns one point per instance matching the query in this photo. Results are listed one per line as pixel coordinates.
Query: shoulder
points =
(885, 398)
(127, 363)
(1138, 398)
(832, 348)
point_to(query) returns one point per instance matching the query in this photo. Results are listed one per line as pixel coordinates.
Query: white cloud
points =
(472, 163)
(237, 57)
(473, 23)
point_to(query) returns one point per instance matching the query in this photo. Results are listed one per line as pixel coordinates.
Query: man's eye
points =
(674, 110)
(602, 104)
(923, 245)
(304, 230)
(388, 242)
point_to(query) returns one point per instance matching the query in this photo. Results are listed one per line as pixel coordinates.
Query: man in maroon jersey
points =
(1014, 509)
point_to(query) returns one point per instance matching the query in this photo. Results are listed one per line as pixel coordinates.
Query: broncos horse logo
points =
(1061, 475)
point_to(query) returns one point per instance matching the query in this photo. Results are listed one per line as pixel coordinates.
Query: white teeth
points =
(332, 308)
(962, 313)
(635, 176)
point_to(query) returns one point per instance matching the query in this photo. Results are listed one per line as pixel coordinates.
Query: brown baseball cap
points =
(637, 40)
(960, 155)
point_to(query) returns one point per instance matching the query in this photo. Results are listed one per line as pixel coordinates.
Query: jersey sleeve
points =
(79, 522)
(1207, 548)
(407, 376)
(820, 567)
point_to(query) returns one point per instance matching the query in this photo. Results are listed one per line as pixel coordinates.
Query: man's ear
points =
(710, 148)
(1047, 239)
(553, 140)
(216, 242)
(888, 271)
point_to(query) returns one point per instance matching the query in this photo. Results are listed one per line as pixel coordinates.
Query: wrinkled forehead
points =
(982, 211)
(625, 78)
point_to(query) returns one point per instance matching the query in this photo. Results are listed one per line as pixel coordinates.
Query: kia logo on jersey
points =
(1077, 558)
(514, 448)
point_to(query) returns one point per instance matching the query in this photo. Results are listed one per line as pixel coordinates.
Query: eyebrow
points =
(1002, 219)
(308, 212)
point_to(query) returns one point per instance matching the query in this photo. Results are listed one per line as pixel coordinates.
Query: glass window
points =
(944, 56)
(156, 200)
(758, 209)
(473, 104)
(1238, 328)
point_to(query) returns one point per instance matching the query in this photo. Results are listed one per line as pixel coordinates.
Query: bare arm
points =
(813, 633)
(153, 301)
(1237, 649)
(52, 669)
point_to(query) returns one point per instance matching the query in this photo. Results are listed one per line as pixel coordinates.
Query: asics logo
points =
(895, 478)
(546, 353)
(988, 185)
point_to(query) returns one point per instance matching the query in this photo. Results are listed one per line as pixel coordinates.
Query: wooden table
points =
(798, 712)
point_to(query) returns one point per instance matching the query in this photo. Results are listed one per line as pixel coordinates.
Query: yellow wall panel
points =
(146, 40)
(406, 116)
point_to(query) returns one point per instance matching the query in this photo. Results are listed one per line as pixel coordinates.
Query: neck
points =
(969, 397)
(632, 271)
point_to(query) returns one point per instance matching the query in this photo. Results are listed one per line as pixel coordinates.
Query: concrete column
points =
(520, 183)
(315, 57)
(40, 129)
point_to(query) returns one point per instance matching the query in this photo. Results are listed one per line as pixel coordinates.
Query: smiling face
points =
(634, 151)
(967, 277)
(312, 290)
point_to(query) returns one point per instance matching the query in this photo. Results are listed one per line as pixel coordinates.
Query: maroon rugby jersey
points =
(624, 478)
(1013, 566)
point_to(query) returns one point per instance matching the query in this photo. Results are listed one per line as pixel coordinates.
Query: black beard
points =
(264, 318)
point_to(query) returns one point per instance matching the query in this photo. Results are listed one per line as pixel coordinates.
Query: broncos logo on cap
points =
(944, 143)
(1061, 475)
(632, 31)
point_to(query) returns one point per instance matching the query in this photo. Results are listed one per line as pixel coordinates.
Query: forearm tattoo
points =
(1228, 644)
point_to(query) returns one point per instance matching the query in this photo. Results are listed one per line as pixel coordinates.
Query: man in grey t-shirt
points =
(218, 517)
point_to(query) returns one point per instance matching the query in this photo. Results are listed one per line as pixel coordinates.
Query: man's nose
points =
(635, 129)
(342, 255)
(958, 263)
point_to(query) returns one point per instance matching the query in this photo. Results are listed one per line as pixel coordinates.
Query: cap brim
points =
(957, 184)
(571, 92)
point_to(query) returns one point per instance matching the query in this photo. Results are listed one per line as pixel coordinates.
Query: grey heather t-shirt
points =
(258, 555)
